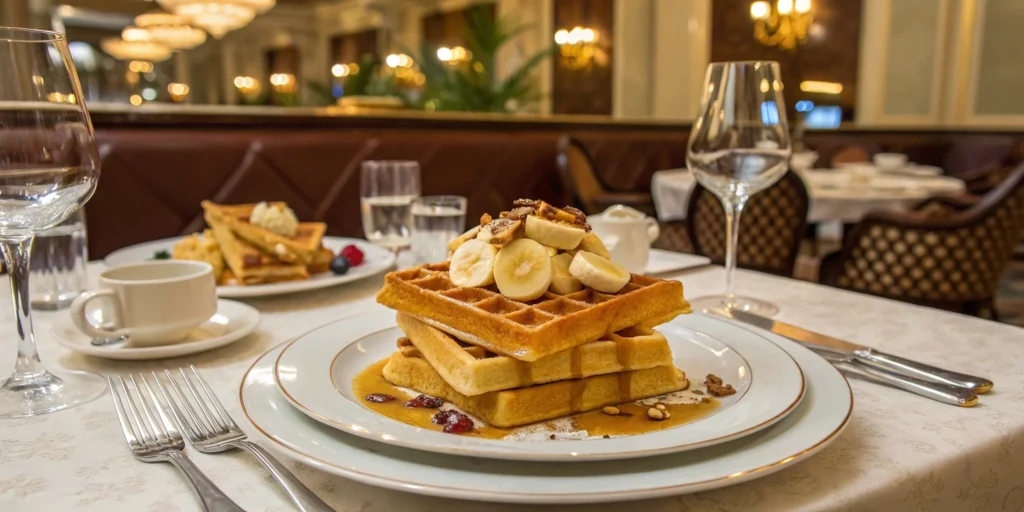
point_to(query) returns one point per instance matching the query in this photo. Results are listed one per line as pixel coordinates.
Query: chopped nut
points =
(698, 392)
(485, 219)
(606, 436)
(660, 406)
(655, 414)
(666, 415)
(611, 410)
(712, 379)
(552, 437)
(716, 387)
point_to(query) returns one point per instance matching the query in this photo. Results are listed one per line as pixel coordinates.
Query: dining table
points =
(898, 452)
(831, 200)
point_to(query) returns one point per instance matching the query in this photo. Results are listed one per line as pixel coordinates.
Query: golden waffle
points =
(512, 408)
(531, 330)
(203, 247)
(303, 247)
(473, 370)
(250, 265)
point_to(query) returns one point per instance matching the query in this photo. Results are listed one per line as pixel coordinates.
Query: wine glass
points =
(738, 147)
(48, 170)
(387, 190)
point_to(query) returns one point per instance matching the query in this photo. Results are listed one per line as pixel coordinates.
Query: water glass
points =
(436, 220)
(739, 146)
(387, 190)
(59, 256)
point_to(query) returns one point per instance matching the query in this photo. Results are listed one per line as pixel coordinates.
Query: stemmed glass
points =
(48, 169)
(387, 190)
(739, 146)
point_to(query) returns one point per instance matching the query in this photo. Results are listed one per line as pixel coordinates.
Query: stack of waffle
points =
(513, 362)
(246, 254)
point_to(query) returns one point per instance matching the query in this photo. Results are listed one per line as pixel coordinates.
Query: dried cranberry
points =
(461, 425)
(426, 401)
(352, 254)
(454, 422)
(378, 398)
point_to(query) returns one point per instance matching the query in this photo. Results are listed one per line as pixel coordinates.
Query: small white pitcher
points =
(628, 234)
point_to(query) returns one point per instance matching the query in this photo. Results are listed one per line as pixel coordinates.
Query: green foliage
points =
(472, 86)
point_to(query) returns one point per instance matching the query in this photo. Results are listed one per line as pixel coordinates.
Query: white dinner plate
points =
(662, 261)
(233, 321)
(813, 425)
(315, 373)
(376, 261)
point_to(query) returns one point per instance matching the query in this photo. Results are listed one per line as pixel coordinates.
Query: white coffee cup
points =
(155, 302)
(628, 234)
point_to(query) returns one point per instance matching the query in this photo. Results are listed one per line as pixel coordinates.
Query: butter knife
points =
(862, 354)
(952, 395)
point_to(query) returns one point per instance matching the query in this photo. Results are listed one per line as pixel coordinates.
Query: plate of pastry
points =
(262, 249)
(529, 343)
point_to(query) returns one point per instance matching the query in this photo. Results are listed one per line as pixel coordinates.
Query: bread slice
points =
(303, 248)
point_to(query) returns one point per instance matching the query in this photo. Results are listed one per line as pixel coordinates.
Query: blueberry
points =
(339, 265)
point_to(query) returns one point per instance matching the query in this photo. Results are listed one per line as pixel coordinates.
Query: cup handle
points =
(81, 320)
(653, 231)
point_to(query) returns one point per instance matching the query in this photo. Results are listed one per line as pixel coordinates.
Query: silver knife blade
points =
(862, 354)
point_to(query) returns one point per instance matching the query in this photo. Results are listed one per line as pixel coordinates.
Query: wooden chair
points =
(674, 237)
(579, 176)
(948, 254)
(771, 227)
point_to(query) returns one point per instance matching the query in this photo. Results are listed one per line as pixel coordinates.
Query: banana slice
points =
(522, 270)
(562, 282)
(593, 244)
(598, 273)
(551, 250)
(468, 235)
(560, 236)
(473, 264)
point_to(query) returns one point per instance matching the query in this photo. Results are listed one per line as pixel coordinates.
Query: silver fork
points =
(152, 440)
(210, 430)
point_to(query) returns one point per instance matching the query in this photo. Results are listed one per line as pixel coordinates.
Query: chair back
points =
(772, 226)
(952, 262)
(851, 154)
(578, 174)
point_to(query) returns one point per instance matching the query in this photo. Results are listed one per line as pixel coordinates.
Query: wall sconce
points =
(453, 56)
(283, 82)
(818, 87)
(178, 91)
(577, 46)
(398, 60)
(783, 24)
(343, 70)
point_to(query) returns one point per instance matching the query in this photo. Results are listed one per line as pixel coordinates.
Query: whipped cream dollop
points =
(277, 218)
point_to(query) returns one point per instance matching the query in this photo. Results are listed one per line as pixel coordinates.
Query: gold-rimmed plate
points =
(816, 422)
(315, 373)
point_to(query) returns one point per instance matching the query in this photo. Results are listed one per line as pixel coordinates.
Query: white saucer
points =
(662, 261)
(376, 261)
(233, 321)
(816, 422)
(315, 373)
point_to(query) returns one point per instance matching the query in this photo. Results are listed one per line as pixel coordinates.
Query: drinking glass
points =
(738, 147)
(436, 220)
(388, 189)
(59, 256)
(48, 169)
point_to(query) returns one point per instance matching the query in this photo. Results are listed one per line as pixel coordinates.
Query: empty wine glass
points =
(48, 169)
(739, 146)
(387, 190)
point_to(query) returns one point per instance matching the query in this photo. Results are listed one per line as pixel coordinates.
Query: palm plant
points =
(472, 85)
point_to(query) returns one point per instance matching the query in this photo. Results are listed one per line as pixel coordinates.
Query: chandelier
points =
(577, 46)
(171, 30)
(218, 17)
(135, 44)
(783, 24)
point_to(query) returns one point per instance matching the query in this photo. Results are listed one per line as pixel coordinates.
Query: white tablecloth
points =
(900, 451)
(671, 192)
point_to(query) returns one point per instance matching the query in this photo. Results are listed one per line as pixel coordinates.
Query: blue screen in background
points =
(824, 117)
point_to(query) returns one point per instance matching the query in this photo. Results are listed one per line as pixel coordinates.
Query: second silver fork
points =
(210, 430)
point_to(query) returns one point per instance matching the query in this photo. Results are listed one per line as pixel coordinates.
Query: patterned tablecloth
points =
(671, 192)
(900, 452)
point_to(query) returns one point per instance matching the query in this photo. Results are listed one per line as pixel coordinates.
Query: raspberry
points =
(352, 254)
(454, 422)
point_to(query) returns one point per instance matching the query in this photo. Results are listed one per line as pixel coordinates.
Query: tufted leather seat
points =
(772, 226)
(950, 257)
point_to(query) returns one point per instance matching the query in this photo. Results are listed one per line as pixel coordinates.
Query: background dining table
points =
(830, 200)
(899, 451)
